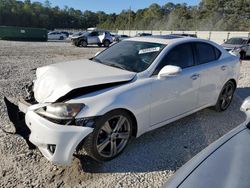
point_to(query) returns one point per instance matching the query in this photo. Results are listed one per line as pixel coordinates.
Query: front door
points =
(175, 95)
(93, 38)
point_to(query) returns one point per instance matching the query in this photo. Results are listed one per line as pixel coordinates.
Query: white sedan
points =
(134, 86)
(55, 35)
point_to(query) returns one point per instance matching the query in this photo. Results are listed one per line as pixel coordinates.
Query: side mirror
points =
(97, 53)
(169, 70)
(245, 105)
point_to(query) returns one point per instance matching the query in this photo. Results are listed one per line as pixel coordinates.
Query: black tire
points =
(99, 44)
(242, 55)
(83, 43)
(226, 96)
(106, 43)
(95, 144)
(61, 38)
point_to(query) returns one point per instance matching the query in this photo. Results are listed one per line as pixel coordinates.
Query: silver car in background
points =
(223, 164)
(95, 37)
(240, 45)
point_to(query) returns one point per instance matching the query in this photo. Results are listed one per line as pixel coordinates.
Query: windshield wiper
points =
(96, 60)
(117, 66)
(108, 64)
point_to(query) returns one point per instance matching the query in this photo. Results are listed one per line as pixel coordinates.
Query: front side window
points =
(94, 34)
(181, 56)
(133, 56)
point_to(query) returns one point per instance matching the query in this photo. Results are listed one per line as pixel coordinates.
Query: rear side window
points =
(207, 53)
(181, 55)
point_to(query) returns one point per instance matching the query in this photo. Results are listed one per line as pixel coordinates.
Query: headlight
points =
(60, 111)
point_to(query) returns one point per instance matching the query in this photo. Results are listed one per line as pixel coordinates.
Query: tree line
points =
(227, 15)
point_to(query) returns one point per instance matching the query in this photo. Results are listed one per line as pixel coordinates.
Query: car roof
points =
(166, 41)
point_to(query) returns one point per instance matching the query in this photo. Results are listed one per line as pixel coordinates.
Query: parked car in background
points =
(98, 37)
(55, 35)
(65, 33)
(136, 85)
(77, 34)
(143, 34)
(223, 164)
(119, 38)
(185, 35)
(240, 44)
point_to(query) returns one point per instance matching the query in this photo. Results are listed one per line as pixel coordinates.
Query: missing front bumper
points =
(17, 121)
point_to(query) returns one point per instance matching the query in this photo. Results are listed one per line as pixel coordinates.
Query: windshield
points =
(78, 34)
(130, 55)
(236, 41)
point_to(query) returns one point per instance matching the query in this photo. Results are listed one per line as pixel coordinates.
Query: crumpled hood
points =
(55, 81)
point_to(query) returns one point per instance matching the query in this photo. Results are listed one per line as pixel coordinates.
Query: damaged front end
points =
(16, 114)
(29, 93)
(28, 99)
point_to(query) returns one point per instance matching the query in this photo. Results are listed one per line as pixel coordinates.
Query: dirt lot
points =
(147, 162)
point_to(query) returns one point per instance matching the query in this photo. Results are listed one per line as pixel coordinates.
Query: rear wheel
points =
(83, 43)
(226, 97)
(106, 43)
(99, 44)
(61, 38)
(111, 135)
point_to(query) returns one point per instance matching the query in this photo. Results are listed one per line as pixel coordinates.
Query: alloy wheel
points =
(226, 96)
(113, 136)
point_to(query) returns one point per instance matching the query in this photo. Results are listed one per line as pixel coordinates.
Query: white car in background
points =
(55, 35)
(133, 87)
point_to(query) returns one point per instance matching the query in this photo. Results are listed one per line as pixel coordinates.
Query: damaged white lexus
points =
(133, 87)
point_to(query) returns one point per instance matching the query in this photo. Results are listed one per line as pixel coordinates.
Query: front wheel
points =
(111, 135)
(225, 97)
(83, 43)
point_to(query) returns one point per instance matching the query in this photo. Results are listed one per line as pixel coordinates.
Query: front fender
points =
(134, 97)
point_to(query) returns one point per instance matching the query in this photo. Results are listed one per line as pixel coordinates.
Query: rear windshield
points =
(236, 41)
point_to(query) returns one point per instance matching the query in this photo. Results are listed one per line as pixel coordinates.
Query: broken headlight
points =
(62, 113)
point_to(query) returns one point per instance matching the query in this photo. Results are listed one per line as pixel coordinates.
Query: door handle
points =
(223, 68)
(195, 76)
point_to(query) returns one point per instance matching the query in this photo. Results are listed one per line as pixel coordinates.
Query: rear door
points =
(213, 72)
(101, 36)
(176, 95)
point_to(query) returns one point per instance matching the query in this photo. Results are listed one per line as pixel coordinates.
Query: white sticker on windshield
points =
(149, 50)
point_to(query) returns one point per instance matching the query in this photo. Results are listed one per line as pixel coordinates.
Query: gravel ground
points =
(147, 162)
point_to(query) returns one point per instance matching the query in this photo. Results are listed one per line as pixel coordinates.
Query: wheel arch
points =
(82, 39)
(234, 82)
(135, 125)
(106, 40)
